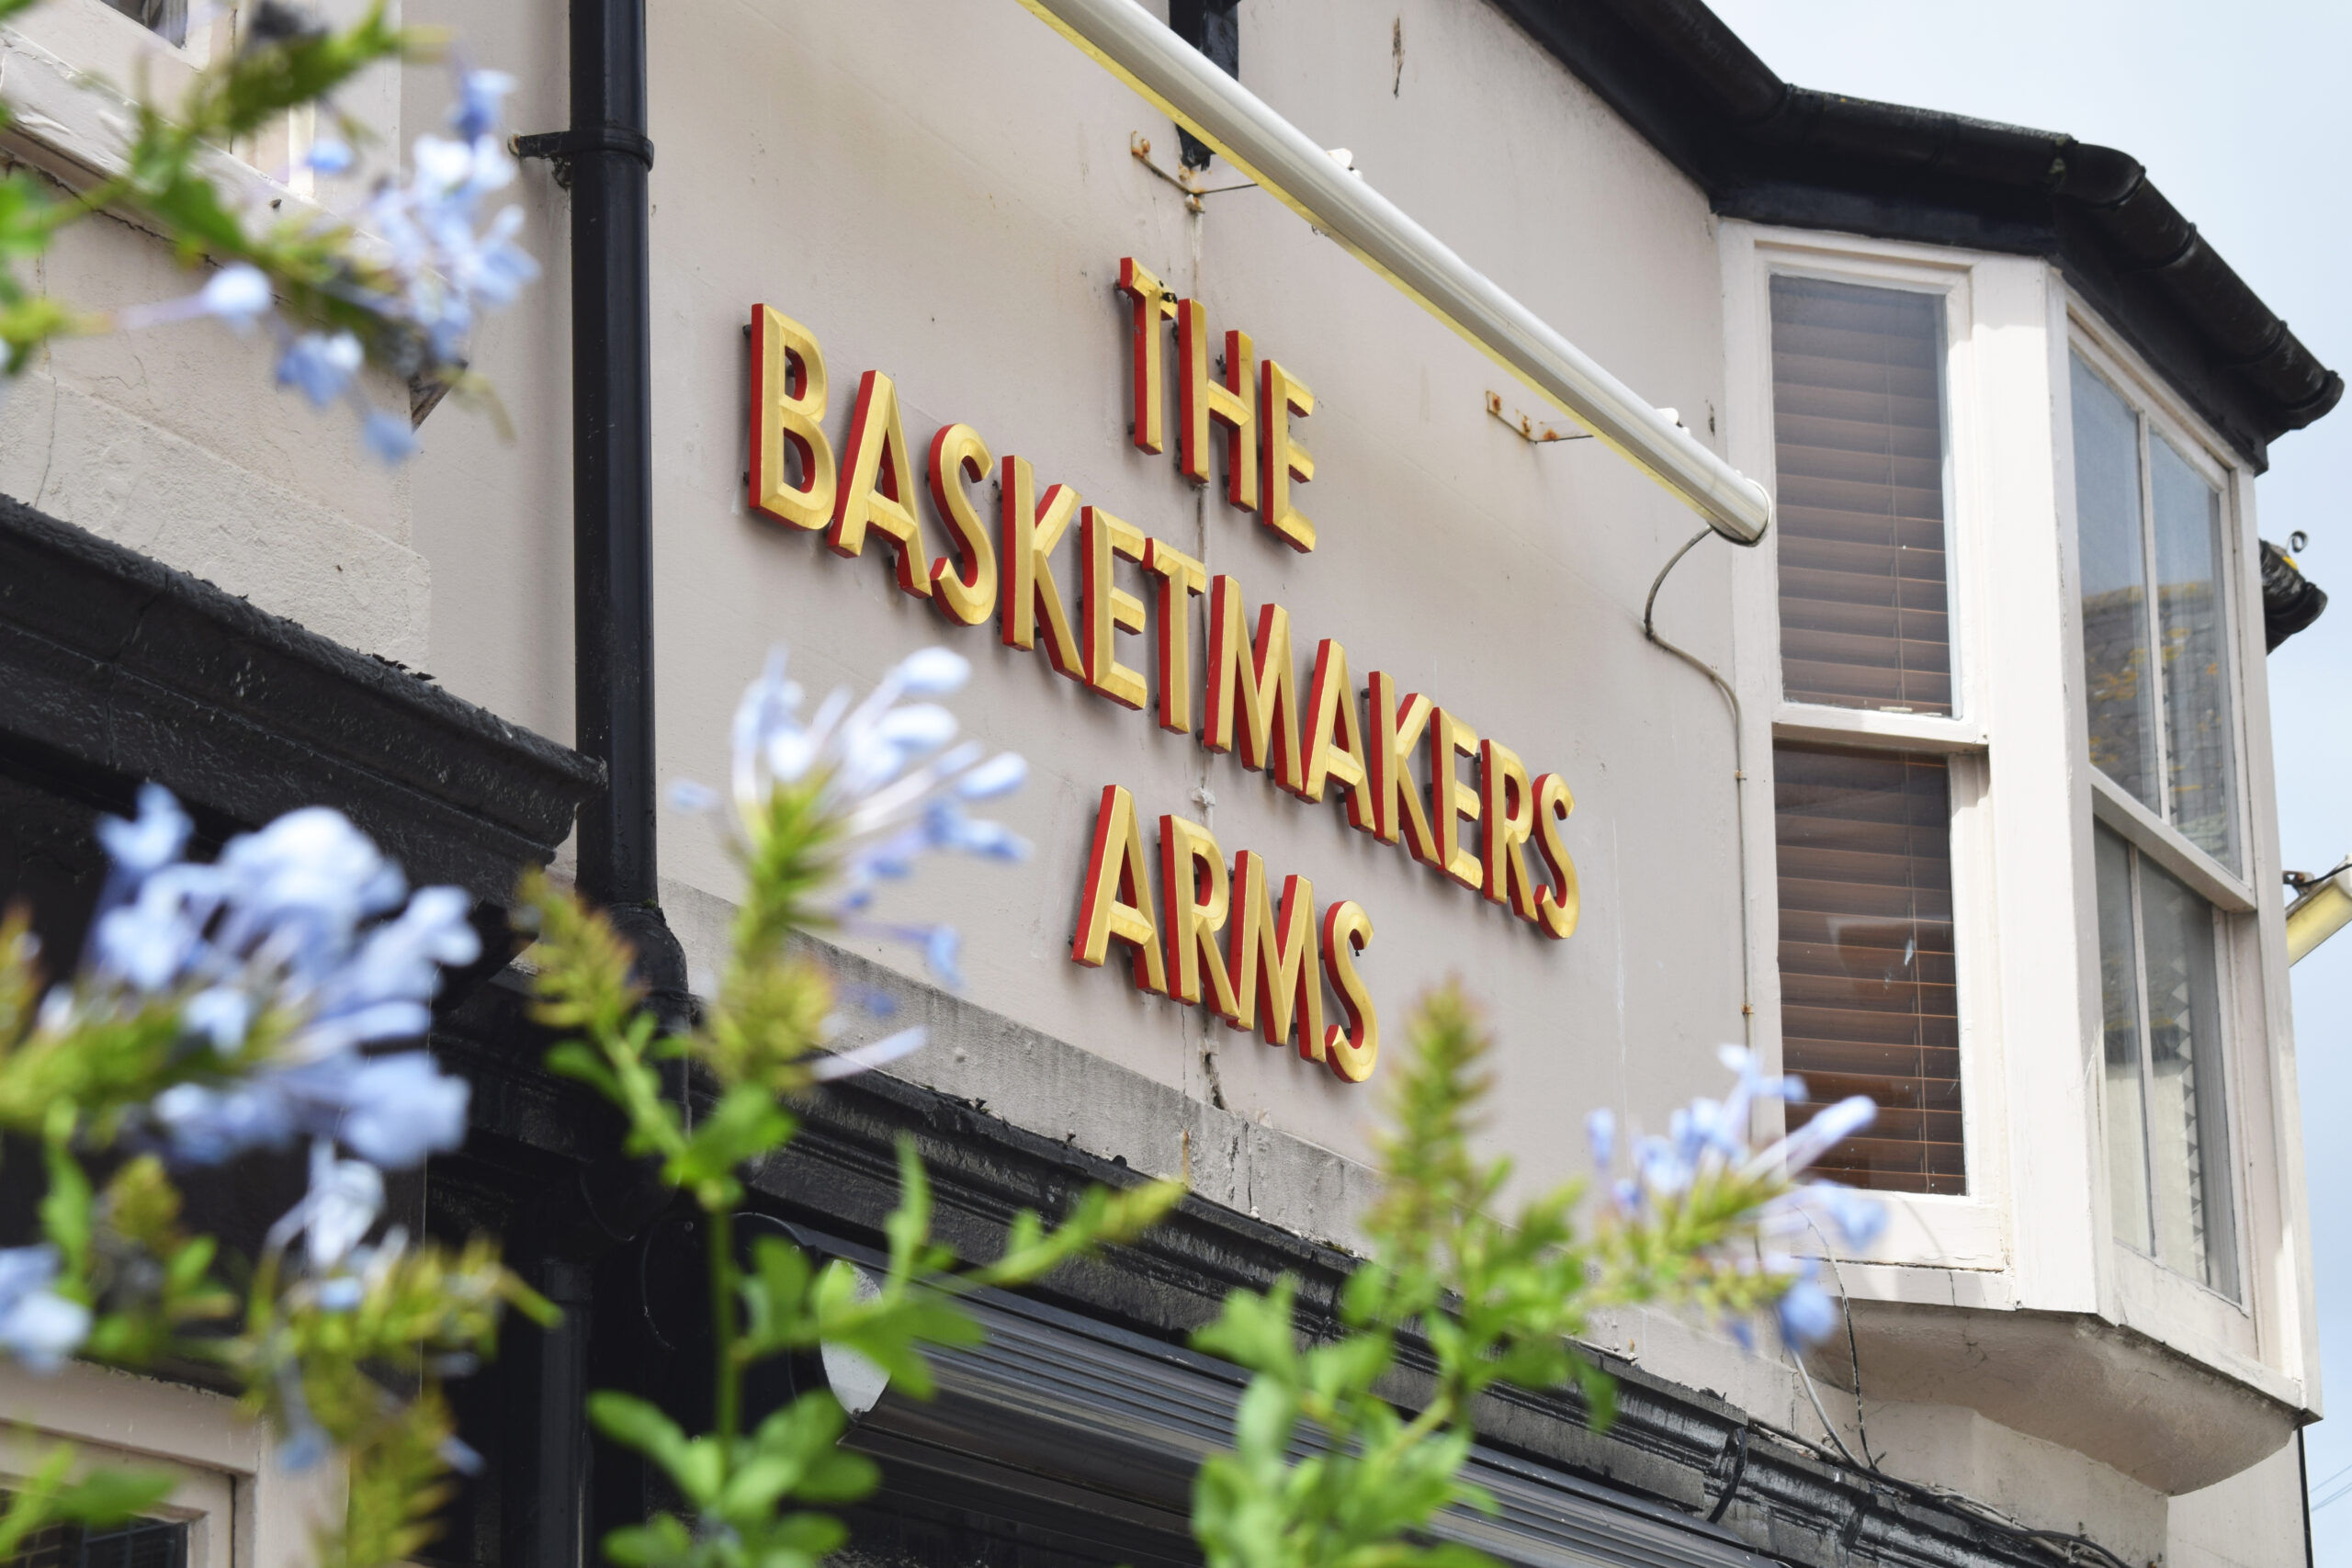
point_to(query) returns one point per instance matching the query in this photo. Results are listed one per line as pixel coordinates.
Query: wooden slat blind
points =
(1858, 429)
(1868, 987)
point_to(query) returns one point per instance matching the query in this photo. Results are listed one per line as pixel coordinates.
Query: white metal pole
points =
(1139, 50)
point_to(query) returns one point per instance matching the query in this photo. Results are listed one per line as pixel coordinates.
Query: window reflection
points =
(2194, 624)
(2167, 1134)
(2120, 689)
(2118, 987)
(167, 17)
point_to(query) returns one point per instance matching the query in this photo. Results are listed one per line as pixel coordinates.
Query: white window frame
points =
(54, 56)
(2169, 1304)
(244, 1509)
(1943, 1248)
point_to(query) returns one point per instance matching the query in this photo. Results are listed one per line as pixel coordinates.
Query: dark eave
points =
(1765, 150)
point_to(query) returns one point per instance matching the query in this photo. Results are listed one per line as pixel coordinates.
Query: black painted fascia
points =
(1766, 151)
(115, 669)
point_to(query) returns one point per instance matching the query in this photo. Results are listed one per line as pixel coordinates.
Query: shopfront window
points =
(2167, 1135)
(1868, 992)
(2156, 619)
(1857, 422)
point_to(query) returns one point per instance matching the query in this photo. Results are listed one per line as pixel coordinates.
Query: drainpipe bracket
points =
(561, 147)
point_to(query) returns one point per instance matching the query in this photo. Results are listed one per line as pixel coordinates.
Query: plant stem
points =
(729, 1391)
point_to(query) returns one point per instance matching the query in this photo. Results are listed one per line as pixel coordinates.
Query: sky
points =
(2235, 112)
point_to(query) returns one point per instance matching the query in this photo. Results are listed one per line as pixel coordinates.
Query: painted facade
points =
(944, 212)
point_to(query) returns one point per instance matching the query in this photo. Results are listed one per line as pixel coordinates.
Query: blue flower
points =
(330, 155)
(892, 774)
(865, 1059)
(147, 843)
(37, 1326)
(1806, 1314)
(237, 295)
(389, 436)
(322, 365)
(1600, 1132)
(1828, 1127)
(403, 1108)
(345, 1199)
(480, 94)
(304, 923)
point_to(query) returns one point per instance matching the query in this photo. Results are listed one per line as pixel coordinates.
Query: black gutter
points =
(604, 158)
(1765, 150)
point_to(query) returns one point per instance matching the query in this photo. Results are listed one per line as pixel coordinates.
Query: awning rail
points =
(1139, 50)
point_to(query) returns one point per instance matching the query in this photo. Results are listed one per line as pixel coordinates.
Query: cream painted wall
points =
(950, 205)
(131, 435)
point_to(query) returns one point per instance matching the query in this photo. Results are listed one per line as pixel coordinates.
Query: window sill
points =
(73, 129)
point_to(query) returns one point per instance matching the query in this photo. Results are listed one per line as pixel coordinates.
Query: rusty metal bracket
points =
(1139, 148)
(1527, 429)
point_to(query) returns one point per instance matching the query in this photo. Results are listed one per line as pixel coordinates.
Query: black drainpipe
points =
(604, 158)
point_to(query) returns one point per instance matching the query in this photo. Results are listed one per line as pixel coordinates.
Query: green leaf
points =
(66, 1207)
(908, 1227)
(572, 1059)
(743, 1125)
(1600, 1395)
(661, 1542)
(112, 1497)
(838, 1476)
(638, 1423)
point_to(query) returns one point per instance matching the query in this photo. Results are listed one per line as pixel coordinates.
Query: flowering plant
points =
(400, 283)
(256, 1003)
(219, 1011)
(1325, 1472)
(826, 809)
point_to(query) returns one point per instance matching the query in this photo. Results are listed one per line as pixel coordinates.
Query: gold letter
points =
(1555, 906)
(965, 591)
(1452, 802)
(1031, 529)
(1181, 577)
(1509, 808)
(1396, 729)
(1116, 900)
(1331, 707)
(1274, 961)
(1268, 686)
(788, 406)
(1193, 883)
(1153, 304)
(1110, 609)
(879, 486)
(1201, 400)
(1283, 459)
(1350, 1049)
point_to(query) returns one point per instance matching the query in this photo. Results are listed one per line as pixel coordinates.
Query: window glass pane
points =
(141, 1543)
(2122, 698)
(2118, 989)
(1858, 426)
(1868, 999)
(168, 17)
(2188, 1136)
(2191, 612)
